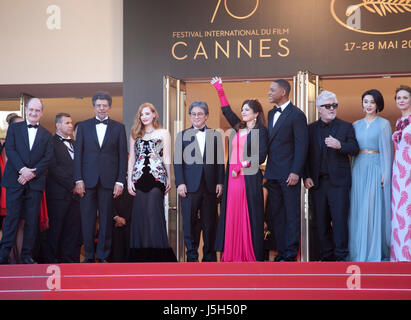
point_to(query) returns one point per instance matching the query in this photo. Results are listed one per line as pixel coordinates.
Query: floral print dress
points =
(401, 192)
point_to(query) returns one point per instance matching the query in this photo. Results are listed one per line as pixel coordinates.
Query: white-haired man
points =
(328, 176)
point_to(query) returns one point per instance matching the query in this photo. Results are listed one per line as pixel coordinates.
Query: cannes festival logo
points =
(254, 4)
(370, 16)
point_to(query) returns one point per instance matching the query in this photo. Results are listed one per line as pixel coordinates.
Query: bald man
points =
(29, 150)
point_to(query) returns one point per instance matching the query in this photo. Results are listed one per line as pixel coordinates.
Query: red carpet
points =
(209, 281)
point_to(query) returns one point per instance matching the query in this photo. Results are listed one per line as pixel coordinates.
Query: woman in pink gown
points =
(240, 232)
(401, 180)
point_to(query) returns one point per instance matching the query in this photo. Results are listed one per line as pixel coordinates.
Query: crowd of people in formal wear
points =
(60, 194)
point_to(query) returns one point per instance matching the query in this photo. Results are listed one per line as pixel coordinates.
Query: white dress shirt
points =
(278, 114)
(101, 131)
(68, 145)
(201, 139)
(32, 135)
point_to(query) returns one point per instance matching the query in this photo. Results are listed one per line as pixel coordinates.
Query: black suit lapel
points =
(25, 133)
(270, 122)
(281, 120)
(93, 131)
(37, 138)
(208, 142)
(63, 148)
(108, 131)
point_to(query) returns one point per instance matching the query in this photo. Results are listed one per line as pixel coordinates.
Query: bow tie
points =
(277, 109)
(33, 126)
(202, 129)
(66, 140)
(97, 121)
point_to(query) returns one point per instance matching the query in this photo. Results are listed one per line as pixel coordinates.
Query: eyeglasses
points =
(198, 114)
(101, 106)
(329, 105)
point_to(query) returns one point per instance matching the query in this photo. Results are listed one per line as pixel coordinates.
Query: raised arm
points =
(228, 113)
(218, 85)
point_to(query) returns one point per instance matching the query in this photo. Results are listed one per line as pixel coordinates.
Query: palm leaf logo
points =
(382, 7)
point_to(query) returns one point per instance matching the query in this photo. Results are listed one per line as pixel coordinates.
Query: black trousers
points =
(21, 203)
(331, 206)
(64, 234)
(199, 210)
(285, 206)
(97, 199)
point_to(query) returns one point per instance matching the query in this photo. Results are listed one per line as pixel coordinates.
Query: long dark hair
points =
(256, 106)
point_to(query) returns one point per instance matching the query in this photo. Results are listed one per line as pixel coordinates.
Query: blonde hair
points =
(138, 129)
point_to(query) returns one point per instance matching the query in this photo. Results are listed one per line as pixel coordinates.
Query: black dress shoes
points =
(102, 261)
(27, 260)
(89, 261)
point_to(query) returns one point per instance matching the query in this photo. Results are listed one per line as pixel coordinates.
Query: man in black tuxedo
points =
(287, 151)
(100, 167)
(29, 151)
(328, 176)
(63, 205)
(199, 177)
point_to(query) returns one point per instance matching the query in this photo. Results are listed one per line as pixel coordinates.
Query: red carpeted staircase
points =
(207, 281)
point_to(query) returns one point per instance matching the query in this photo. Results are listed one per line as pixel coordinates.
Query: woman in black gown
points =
(148, 181)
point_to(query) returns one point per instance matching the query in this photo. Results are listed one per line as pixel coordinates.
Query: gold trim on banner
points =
(390, 6)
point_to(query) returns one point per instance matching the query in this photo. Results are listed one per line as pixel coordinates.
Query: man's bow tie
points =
(67, 140)
(33, 126)
(277, 109)
(202, 129)
(101, 121)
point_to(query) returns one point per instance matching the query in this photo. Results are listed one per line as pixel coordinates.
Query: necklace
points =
(150, 132)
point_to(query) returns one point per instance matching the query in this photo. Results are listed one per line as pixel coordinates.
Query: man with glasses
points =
(328, 176)
(29, 151)
(199, 177)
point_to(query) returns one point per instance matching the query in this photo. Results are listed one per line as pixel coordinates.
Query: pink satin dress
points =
(238, 245)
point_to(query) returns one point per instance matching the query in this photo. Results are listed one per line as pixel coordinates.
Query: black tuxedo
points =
(200, 174)
(287, 150)
(23, 201)
(64, 234)
(100, 168)
(330, 171)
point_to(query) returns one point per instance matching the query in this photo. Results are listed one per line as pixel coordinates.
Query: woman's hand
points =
(217, 83)
(236, 170)
(131, 188)
(168, 186)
